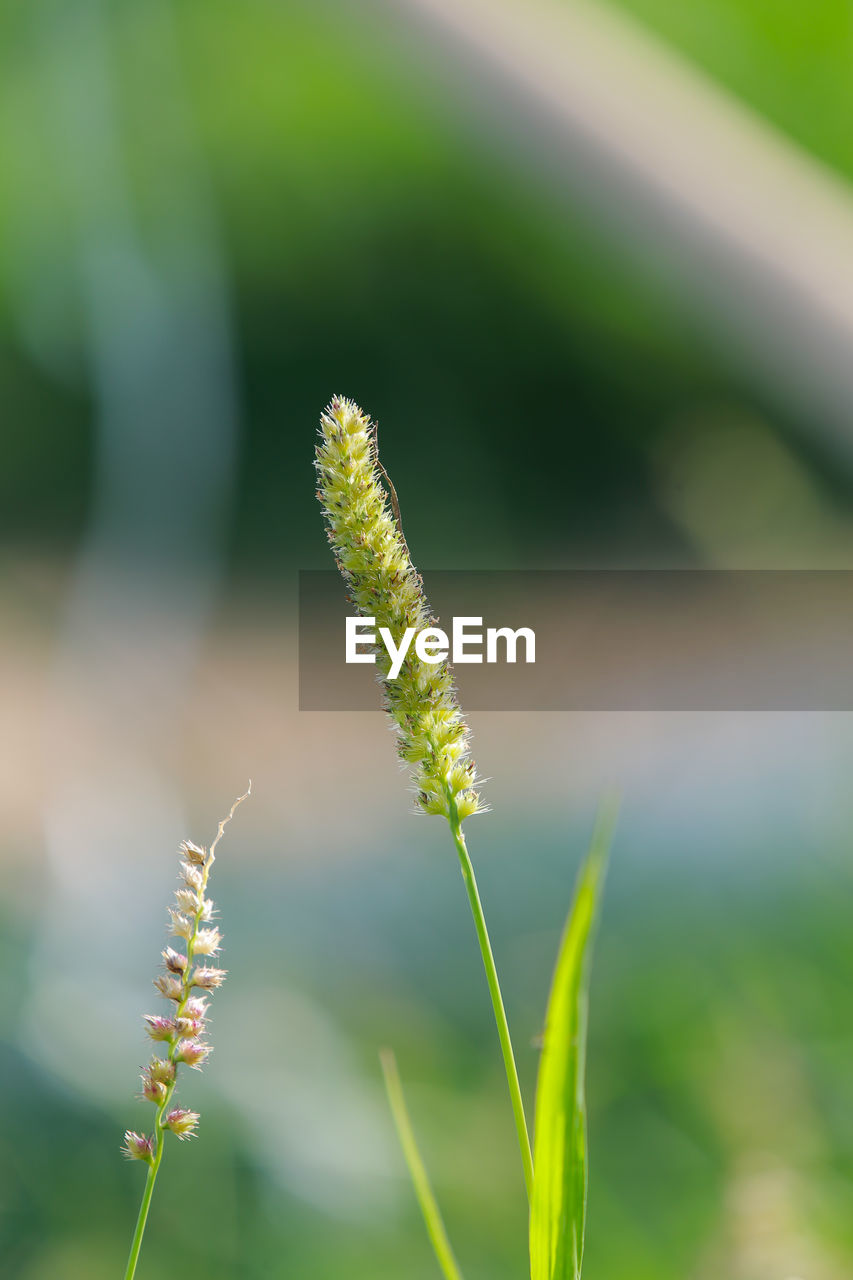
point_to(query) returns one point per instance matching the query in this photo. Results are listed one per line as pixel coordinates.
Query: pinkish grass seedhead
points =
(192, 1052)
(181, 1031)
(207, 979)
(183, 1124)
(193, 852)
(137, 1146)
(159, 1028)
(175, 961)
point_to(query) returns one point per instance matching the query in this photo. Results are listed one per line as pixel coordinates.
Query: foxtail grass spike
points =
(366, 534)
(367, 538)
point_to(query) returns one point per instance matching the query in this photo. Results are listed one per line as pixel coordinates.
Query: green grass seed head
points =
(382, 583)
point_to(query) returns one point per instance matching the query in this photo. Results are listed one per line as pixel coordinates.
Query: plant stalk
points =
(497, 999)
(143, 1211)
(420, 1179)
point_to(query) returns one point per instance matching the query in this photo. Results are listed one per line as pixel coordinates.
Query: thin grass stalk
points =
(417, 1170)
(497, 1003)
(142, 1219)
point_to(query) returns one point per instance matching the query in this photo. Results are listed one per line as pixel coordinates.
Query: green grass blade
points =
(558, 1207)
(423, 1190)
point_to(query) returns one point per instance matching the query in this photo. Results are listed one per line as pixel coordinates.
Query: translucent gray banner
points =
(615, 640)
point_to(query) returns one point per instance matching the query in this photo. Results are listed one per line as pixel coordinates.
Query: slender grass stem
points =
(497, 999)
(420, 1179)
(136, 1245)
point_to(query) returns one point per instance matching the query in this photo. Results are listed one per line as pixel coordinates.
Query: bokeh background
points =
(590, 267)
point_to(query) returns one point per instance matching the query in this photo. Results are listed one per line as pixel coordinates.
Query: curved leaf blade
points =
(558, 1206)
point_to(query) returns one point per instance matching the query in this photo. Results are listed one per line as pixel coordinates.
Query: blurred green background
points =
(545, 246)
